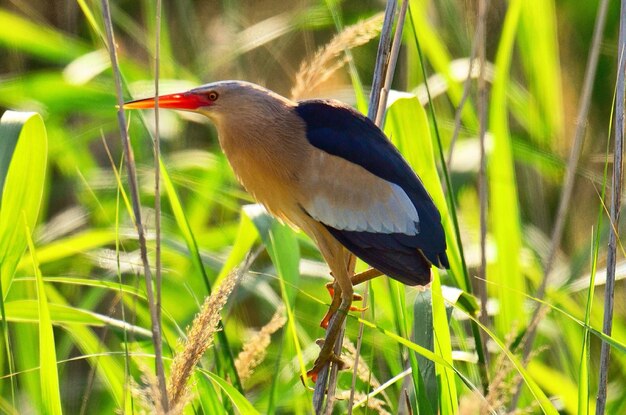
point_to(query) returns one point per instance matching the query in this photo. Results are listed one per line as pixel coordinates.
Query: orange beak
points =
(181, 101)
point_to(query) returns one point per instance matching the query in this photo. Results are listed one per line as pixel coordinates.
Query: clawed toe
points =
(321, 361)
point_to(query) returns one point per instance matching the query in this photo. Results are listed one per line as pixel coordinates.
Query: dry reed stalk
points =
(386, 60)
(199, 339)
(255, 349)
(157, 176)
(134, 193)
(325, 62)
(616, 206)
(328, 373)
(363, 371)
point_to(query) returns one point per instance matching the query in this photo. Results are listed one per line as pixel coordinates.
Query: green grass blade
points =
(192, 246)
(38, 39)
(282, 246)
(48, 373)
(22, 174)
(183, 225)
(26, 311)
(107, 366)
(443, 346)
(23, 158)
(247, 235)
(546, 405)
(239, 401)
(426, 379)
(70, 247)
(439, 57)
(539, 51)
(504, 204)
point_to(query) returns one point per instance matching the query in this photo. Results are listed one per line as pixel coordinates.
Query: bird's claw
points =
(331, 291)
(333, 307)
(321, 361)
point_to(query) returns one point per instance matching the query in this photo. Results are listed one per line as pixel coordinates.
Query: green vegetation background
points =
(82, 274)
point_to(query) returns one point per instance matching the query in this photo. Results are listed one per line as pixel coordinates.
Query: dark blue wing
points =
(341, 131)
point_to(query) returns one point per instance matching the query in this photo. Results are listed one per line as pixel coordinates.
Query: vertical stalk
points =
(482, 172)
(380, 70)
(157, 185)
(616, 199)
(378, 108)
(134, 192)
(570, 175)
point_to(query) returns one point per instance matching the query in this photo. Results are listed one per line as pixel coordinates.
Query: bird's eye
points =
(212, 95)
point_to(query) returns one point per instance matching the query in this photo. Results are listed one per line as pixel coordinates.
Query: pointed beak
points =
(183, 101)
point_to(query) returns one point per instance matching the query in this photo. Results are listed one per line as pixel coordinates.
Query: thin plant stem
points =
(570, 174)
(616, 199)
(157, 179)
(391, 67)
(483, 6)
(380, 107)
(134, 191)
(464, 97)
(382, 61)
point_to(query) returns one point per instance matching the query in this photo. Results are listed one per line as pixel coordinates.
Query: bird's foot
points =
(335, 304)
(325, 357)
(331, 290)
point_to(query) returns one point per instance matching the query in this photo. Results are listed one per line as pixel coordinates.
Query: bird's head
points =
(217, 100)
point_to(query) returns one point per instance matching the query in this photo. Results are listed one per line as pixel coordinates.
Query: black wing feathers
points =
(341, 131)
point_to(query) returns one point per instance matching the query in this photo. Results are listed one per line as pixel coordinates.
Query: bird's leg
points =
(356, 279)
(366, 275)
(336, 296)
(334, 327)
(335, 292)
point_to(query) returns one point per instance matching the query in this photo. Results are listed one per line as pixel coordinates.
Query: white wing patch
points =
(347, 197)
(393, 214)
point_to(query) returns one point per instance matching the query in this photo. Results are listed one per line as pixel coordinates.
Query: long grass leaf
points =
(192, 246)
(443, 346)
(439, 57)
(283, 249)
(504, 203)
(425, 380)
(38, 39)
(546, 405)
(239, 401)
(48, 373)
(22, 175)
(542, 67)
(23, 158)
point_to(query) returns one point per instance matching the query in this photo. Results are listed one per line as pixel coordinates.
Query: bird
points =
(324, 168)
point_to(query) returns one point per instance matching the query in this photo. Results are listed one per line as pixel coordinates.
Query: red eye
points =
(212, 95)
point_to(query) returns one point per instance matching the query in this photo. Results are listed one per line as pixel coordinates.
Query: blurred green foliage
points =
(54, 63)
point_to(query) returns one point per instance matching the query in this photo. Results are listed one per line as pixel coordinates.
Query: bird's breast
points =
(267, 167)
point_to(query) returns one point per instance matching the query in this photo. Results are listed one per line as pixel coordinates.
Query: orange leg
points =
(366, 275)
(334, 328)
(343, 294)
(334, 305)
(336, 295)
